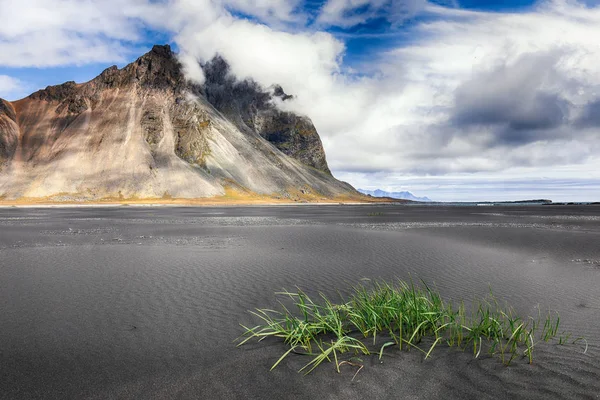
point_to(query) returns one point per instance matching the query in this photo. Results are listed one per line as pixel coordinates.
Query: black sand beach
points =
(145, 303)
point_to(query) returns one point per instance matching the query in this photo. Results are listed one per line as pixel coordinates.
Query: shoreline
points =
(109, 205)
(188, 204)
(197, 202)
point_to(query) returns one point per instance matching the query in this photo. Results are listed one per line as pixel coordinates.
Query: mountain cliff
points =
(143, 131)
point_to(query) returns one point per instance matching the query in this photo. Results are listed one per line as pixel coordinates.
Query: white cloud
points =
(10, 88)
(405, 131)
(305, 64)
(191, 68)
(57, 32)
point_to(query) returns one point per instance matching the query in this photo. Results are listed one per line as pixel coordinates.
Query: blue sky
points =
(362, 41)
(454, 100)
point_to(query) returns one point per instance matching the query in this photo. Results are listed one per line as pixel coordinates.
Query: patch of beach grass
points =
(384, 315)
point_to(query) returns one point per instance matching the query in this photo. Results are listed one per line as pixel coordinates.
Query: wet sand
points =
(134, 302)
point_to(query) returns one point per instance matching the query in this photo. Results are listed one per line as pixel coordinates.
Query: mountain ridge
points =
(144, 131)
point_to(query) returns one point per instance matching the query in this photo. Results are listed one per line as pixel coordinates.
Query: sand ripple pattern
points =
(146, 303)
(418, 225)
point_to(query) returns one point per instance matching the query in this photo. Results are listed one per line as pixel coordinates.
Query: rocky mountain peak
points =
(160, 51)
(159, 69)
(149, 96)
(134, 132)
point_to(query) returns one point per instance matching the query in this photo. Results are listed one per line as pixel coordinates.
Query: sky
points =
(456, 100)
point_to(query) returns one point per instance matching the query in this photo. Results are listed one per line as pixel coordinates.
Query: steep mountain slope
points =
(144, 132)
(251, 110)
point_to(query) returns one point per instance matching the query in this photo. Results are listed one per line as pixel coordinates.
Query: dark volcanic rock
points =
(158, 69)
(70, 96)
(252, 109)
(74, 105)
(278, 92)
(56, 92)
(110, 77)
(239, 100)
(152, 126)
(294, 135)
(192, 130)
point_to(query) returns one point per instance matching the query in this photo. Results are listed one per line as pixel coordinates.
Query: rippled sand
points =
(146, 302)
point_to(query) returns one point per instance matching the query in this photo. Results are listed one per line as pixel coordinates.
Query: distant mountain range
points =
(394, 195)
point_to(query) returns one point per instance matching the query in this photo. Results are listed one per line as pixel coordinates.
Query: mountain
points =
(394, 195)
(144, 131)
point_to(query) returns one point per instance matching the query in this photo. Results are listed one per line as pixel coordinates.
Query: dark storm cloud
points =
(591, 115)
(515, 103)
(538, 112)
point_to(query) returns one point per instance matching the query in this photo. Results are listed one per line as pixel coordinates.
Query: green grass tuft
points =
(383, 315)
